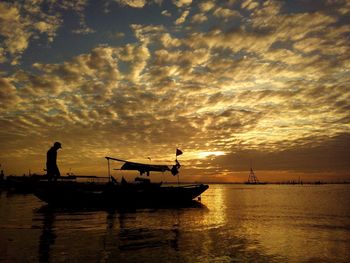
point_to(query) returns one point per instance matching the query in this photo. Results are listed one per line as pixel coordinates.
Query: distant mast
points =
(252, 179)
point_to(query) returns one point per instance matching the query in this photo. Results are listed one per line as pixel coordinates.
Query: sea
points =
(231, 223)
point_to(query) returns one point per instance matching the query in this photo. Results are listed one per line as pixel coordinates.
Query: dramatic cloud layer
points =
(226, 81)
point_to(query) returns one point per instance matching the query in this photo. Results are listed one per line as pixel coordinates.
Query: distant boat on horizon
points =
(252, 178)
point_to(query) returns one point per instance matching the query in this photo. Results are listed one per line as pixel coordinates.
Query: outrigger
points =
(141, 193)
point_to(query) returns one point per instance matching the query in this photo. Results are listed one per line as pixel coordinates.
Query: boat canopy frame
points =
(141, 167)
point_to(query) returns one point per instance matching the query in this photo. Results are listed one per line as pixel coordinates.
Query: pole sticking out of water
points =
(177, 153)
(178, 182)
(109, 170)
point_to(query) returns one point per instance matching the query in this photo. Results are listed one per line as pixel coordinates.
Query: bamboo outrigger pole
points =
(109, 169)
(178, 152)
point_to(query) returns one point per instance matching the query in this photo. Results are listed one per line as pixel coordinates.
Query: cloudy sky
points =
(228, 82)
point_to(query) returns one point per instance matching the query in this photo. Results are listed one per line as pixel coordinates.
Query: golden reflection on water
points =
(235, 223)
(282, 221)
(215, 201)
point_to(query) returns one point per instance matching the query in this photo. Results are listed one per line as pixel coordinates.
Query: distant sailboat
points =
(252, 178)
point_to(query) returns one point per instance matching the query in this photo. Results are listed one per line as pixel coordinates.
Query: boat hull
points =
(61, 195)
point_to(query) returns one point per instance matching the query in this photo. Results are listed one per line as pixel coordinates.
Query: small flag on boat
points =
(178, 152)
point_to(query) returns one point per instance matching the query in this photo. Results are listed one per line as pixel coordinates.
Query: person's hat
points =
(57, 145)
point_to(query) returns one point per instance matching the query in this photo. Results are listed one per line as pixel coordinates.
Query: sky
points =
(230, 83)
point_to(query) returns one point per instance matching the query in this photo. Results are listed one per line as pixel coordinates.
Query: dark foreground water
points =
(237, 223)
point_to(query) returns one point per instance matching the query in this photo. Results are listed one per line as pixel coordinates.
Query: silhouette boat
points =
(141, 193)
(29, 184)
(252, 178)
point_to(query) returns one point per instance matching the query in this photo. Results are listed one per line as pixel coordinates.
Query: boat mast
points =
(178, 181)
(178, 152)
(109, 169)
(252, 179)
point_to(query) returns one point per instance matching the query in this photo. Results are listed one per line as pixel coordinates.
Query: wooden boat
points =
(20, 184)
(70, 195)
(142, 193)
(28, 184)
(252, 178)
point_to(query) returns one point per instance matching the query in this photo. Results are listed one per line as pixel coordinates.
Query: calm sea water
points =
(236, 223)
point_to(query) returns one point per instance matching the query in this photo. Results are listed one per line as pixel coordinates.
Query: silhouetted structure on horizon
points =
(252, 178)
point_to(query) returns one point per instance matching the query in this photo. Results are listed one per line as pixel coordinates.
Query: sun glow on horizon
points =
(213, 153)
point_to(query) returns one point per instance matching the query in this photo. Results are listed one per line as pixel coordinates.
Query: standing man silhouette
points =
(51, 162)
